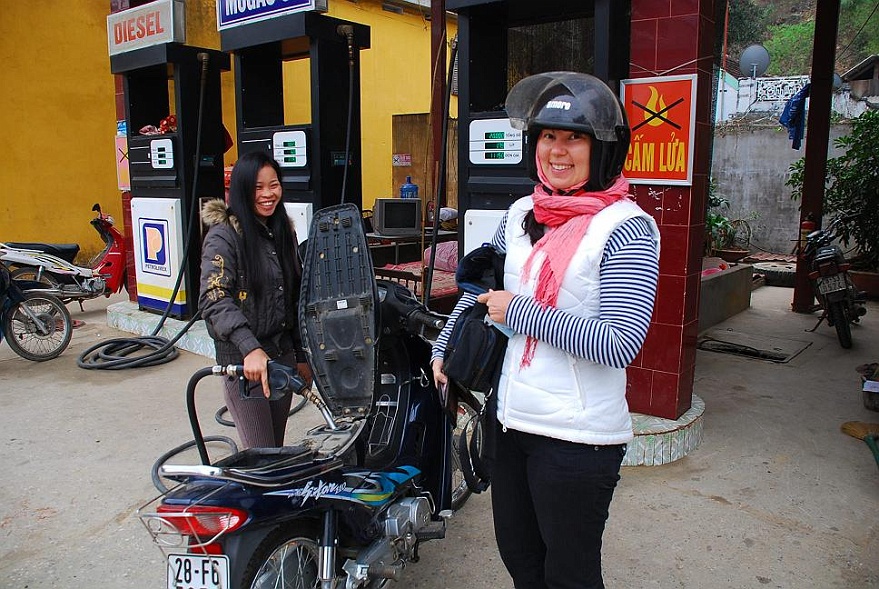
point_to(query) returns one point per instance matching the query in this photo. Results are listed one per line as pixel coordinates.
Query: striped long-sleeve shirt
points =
(628, 275)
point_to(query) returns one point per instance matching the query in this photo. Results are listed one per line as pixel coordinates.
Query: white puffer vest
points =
(559, 395)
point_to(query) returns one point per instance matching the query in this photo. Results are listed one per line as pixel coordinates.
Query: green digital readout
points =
(495, 135)
(496, 145)
(289, 144)
(289, 160)
(494, 155)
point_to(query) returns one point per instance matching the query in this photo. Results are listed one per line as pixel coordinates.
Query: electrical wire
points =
(846, 48)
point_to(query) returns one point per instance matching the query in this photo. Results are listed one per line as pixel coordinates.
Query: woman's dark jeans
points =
(550, 500)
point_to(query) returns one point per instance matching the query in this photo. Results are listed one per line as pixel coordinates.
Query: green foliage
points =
(852, 187)
(721, 232)
(748, 24)
(790, 48)
(786, 29)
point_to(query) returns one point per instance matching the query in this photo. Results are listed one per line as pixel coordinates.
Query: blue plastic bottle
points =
(409, 190)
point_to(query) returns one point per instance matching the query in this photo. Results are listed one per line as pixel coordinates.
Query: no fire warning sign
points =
(662, 113)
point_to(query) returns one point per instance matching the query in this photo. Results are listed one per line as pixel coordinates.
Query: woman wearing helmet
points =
(582, 262)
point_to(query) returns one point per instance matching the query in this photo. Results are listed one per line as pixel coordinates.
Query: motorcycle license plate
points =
(196, 571)
(831, 284)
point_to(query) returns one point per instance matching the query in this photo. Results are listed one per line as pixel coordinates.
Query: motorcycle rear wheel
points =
(287, 559)
(39, 328)
(840, 320)
(28, 273)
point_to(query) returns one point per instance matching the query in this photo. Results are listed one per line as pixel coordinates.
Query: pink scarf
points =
(567, 218)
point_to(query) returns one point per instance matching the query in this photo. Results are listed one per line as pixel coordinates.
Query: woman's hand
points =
(497, 301)
(440, 379)
(304, 370)
(255, 369)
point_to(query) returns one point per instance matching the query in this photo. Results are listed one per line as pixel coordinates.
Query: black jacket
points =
(237, 320)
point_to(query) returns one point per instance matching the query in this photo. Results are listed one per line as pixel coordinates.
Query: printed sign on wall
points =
(662, 116)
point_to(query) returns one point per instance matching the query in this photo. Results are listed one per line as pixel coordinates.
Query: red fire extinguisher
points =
(806, 227)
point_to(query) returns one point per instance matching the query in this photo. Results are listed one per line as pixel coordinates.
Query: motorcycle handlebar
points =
(427, 319)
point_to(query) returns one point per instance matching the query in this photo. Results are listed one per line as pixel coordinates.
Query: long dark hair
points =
(242, 188)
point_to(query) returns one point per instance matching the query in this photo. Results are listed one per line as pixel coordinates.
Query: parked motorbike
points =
(841, 302)
(52, 264)
(36, 324)
(348, 506)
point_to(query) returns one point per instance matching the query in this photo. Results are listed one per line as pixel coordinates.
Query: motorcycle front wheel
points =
(38, 328)
(840, 320)
(461, 435)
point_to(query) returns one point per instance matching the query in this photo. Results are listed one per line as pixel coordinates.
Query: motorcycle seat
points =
(65, 251)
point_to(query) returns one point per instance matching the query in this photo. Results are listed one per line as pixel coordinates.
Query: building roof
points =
(866, 70)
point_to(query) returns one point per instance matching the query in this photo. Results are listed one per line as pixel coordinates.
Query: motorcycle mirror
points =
(97, 207)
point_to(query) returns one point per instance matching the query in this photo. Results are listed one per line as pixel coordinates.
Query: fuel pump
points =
(171, 171)
(499, 43)
(320, 159)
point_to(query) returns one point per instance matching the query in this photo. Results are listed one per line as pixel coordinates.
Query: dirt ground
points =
(775, 496)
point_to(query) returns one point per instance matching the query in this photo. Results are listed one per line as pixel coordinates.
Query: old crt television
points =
(397, 217)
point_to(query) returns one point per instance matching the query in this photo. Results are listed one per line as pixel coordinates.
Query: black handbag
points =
(474, 350)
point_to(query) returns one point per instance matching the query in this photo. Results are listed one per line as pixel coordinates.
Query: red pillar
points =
(672, 37)
(118, 6)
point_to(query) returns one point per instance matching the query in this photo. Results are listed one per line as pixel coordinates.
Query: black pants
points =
(550, 500)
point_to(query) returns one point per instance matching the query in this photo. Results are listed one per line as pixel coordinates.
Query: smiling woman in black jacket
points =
(250, 277)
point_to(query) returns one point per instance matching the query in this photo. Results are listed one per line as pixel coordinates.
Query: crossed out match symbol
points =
(658, 114)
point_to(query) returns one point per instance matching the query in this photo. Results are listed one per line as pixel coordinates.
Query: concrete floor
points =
(775, 496)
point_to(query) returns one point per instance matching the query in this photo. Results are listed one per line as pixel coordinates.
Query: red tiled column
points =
(672, 37)
(131, 282)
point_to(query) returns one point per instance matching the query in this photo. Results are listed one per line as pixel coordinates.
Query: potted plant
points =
(728, 239)
(852, 189)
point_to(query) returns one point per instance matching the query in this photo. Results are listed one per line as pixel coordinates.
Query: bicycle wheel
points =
(38, 328)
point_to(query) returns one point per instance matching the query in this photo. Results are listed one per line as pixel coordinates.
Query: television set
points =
(396, 217)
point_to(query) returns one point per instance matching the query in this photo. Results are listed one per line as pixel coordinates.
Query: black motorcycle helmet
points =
(574, 102)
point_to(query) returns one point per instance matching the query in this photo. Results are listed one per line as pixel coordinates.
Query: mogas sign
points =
(150, 24)
(231, 13)
(662, 116)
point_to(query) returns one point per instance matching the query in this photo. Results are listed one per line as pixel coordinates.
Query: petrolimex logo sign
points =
(154, 247)
(231, 13)
(155, 23)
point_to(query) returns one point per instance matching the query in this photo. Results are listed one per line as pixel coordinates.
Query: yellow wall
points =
(57, 105)
(59, 118)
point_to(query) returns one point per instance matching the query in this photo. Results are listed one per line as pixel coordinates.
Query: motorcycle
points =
(348, 505)
(52, 264)
(36, 324)
(841, 302)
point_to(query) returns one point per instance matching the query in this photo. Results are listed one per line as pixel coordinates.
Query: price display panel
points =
(494, 142)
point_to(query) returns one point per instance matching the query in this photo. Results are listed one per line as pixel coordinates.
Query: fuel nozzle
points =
(347, 31)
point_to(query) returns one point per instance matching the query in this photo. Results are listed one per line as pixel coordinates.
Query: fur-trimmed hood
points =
(215, 212)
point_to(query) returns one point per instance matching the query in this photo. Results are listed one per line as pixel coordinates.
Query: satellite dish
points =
(754, 60)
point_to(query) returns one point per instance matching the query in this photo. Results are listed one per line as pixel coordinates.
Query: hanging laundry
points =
(793, 117)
